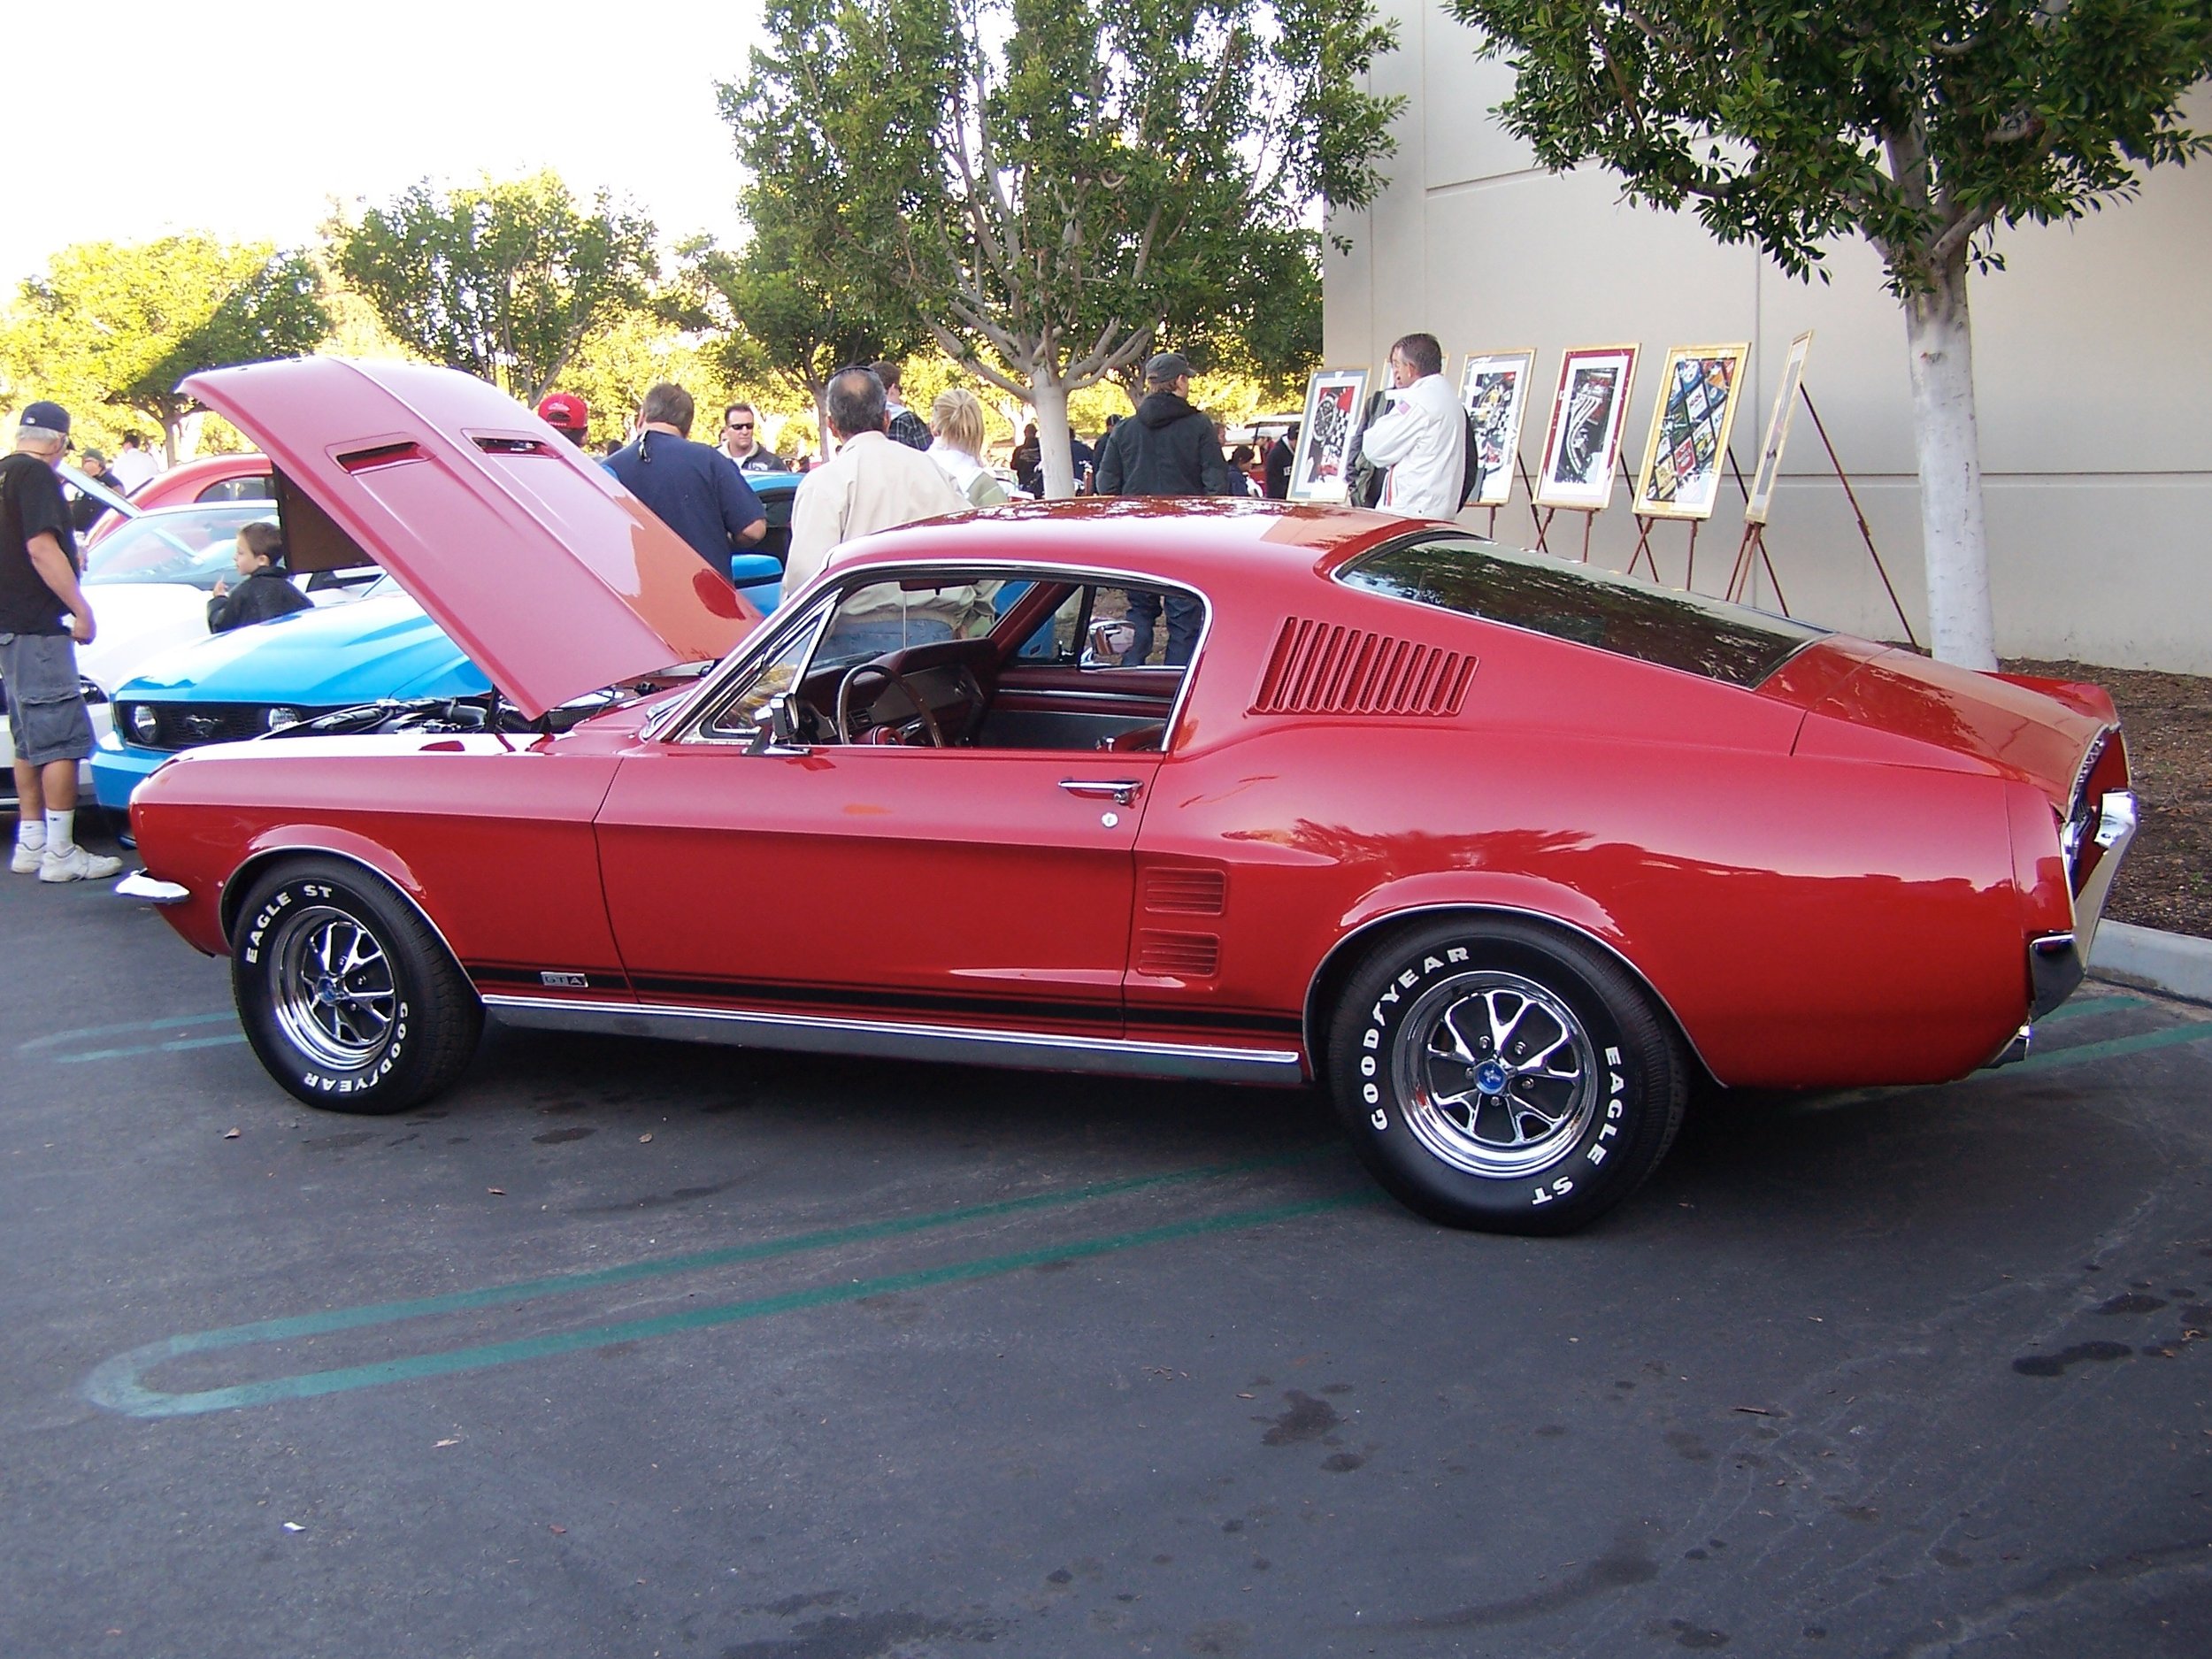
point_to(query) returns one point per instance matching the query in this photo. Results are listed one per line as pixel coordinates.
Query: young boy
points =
(264, 592)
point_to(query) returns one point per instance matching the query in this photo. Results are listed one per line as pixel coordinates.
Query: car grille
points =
(189, 725)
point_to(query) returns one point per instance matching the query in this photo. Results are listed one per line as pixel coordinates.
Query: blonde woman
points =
(956, 421)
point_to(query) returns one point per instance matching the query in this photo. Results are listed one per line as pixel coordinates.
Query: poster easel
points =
(1755, 525)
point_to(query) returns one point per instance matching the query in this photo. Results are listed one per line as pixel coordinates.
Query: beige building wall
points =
(2092, 372)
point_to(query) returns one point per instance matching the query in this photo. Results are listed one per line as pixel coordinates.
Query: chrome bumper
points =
(143, 888)
(2057, 962)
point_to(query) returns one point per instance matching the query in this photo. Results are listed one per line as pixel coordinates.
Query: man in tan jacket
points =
(869, 484)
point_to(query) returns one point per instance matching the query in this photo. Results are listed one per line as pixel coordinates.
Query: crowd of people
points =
(890, 464)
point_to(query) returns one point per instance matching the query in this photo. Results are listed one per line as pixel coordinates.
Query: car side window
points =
(736, 720)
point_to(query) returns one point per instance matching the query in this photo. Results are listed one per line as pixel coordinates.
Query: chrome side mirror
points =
(776, 729)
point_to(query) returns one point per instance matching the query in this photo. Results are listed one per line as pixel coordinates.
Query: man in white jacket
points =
(1421, 435)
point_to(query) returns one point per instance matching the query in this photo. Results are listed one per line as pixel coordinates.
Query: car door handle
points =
(1121, 791)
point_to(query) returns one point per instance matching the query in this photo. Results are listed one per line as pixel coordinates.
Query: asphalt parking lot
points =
(634, 1349)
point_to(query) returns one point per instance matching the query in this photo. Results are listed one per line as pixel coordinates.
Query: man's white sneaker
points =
(78, 866)
(25, 860)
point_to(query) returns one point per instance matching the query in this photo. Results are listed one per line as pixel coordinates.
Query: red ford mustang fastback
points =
(1507, 853)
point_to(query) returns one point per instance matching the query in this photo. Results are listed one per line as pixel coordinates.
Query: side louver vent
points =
(1177, 955)
(1318, 668)
(1186, 892)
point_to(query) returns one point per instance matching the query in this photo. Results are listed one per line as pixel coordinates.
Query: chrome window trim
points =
(997, 1046)
(692, 712)
(681, 726)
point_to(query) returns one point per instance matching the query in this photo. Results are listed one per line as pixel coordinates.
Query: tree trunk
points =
(1049, 395)
(1940, 335)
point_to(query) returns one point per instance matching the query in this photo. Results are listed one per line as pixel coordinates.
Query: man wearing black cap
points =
(1169, 449)
(43, 618)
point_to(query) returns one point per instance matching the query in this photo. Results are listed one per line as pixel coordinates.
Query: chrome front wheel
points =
(1498, 1076)
(331, 986)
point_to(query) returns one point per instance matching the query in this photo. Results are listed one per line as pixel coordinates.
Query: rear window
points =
(1591, 607)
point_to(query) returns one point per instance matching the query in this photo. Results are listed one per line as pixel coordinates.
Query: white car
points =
(148, 582)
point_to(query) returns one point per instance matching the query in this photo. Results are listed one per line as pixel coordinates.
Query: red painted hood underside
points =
(553, 579)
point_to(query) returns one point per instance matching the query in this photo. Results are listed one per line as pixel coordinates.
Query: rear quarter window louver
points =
(1320, 668)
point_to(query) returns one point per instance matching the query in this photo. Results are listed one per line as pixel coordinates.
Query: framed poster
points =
(1493, 390)
(1777, 430)
(1588, 411)
(1689, 430)
(1320, 470)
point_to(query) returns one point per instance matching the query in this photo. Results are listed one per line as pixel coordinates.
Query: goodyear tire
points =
(349, 999)
(1498, 1076)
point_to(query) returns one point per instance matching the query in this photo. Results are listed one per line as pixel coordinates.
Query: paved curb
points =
(2178, 964)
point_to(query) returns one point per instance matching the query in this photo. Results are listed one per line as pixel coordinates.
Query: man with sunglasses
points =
(738, 424)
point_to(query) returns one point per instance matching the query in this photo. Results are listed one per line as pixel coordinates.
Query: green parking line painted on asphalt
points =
(2165, 1037)
(2090, 1005)
(115, 1385)
(55, 1038)
(175, 1045)
(124, 1368)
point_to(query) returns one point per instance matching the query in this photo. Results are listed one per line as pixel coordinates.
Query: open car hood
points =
(553, 578)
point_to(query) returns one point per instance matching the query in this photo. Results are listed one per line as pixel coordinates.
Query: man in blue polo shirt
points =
(693, 488)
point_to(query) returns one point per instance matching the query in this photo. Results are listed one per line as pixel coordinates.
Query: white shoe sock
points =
(61, 827)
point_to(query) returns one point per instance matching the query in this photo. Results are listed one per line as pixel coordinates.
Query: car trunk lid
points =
(554, 580)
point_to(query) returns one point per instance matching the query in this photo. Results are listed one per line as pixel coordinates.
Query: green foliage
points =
(1923, 124)
(116, 326)
(504, 280)
(1047, 184)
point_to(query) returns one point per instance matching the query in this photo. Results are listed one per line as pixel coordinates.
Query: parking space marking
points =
(115, 1384)
(175, 1045)
(2091, 1005)
(2166, 1036)
(54, 1040)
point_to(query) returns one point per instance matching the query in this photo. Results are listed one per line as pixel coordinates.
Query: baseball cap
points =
(1166, 368)
(49, 418)
(565, 410)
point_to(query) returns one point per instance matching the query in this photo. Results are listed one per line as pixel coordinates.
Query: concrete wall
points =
(2092, 370)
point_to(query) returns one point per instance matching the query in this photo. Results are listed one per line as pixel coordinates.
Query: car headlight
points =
(280, 716)
(93, 694)
(143, 723)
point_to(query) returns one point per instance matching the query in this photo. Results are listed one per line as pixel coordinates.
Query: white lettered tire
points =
(349, 999)
(1498, 1075)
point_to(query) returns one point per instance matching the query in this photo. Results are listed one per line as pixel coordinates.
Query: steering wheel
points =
(861, 671)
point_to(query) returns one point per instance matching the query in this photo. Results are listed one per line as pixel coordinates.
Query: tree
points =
(788, 305)
(1046, 182)
(1922, 125)
(503, 280)
(120, 324)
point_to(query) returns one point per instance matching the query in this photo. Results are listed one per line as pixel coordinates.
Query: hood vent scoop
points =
(1319, 668)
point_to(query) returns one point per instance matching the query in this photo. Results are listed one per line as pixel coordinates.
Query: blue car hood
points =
(380, 647)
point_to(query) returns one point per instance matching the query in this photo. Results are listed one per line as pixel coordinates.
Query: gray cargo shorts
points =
(46, 712)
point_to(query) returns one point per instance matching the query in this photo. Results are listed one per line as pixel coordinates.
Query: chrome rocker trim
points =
(140, 886)
(890, 1039)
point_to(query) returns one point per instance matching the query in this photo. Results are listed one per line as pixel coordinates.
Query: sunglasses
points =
(739, 425)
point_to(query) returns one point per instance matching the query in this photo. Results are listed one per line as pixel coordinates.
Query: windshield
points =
(195, 547)
(1700, 635)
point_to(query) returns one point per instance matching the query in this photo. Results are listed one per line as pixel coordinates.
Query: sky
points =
(246, 118)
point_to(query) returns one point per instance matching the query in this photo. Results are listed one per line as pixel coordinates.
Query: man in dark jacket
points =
(264, 592)
(693, 488)
(1169, 449)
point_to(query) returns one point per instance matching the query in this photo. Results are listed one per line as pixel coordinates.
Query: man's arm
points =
(1390, 437)
(1107, 480)
(743, 519)
(817, 526)
(59, 571)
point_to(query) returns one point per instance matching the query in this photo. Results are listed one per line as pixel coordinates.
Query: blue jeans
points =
(851, 641)
(1185, 617)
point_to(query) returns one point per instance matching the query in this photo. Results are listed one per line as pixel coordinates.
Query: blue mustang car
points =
(252, 680)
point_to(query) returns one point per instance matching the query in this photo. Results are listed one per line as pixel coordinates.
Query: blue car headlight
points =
(144, 723)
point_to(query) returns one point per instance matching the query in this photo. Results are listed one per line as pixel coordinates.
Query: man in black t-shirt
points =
(43, 618)
(694, 488)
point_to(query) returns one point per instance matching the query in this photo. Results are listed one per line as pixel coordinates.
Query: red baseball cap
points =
(565, 410)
